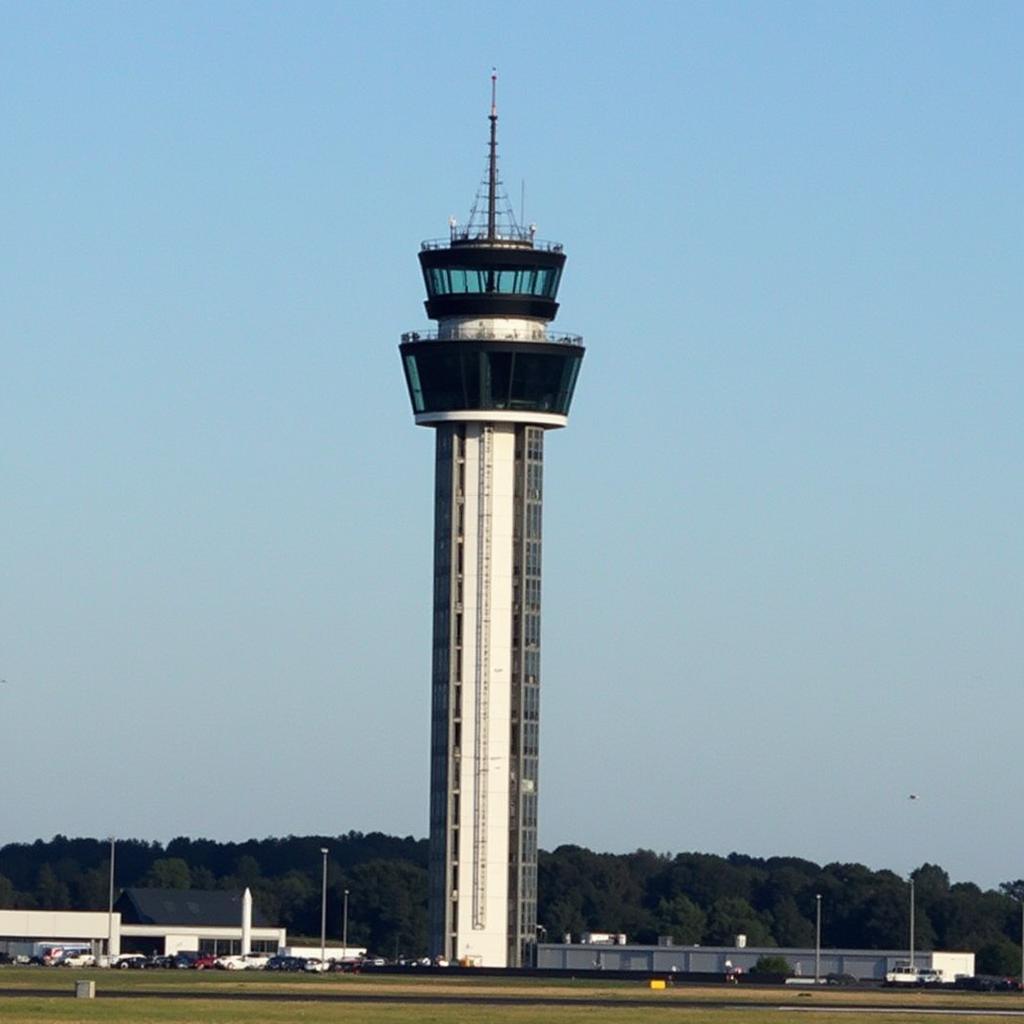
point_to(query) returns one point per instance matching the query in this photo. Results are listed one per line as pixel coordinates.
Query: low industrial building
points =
(165, 921)
(863, 964)
(173, 921)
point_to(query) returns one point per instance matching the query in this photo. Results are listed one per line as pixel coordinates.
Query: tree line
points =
(696, 898)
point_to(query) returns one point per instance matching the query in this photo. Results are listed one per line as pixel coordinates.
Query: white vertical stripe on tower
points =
(483, 795)
(482, 674)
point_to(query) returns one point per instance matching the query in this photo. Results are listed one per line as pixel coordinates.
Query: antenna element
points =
(492, 163)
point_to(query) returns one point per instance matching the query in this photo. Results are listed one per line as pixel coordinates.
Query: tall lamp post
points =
(817, 938)
(323, 911)
(912, 922)
(110, 903)
(344, 927)
(1022, 943)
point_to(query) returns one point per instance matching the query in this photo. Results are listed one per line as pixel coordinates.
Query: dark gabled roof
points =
(203, 908)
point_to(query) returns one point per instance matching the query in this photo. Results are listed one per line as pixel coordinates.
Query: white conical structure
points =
(246, 922)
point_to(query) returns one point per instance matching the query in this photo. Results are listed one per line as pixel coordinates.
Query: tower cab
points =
(492, 287)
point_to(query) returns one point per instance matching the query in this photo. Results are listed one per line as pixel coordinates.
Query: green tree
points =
(297, 898)
(51, 892)
(681, 918)
(1015, 889)
(789, 926)
(388, 907)
(731, 916)
(1001, 956)
(931, 884)
(93, 889)
(563, 915)
(772, 965)
(247, 872)
(202, 878)
(168, 873)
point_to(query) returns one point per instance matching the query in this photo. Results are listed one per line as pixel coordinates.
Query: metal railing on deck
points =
(482, 334)
(510, 242)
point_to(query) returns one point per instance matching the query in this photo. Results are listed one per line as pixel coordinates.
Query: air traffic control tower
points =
(490, 380)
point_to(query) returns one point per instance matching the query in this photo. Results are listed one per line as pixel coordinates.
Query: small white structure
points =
(246, 922)
(344, 953)
(949, 965)
(603, 938)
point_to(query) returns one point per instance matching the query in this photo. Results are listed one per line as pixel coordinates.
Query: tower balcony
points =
(480, 375)
(488, 334)
(513, 240)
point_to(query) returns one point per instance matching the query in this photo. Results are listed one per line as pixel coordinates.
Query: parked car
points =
(986, 983)
(242, 962)
(125, 961)
(901, 974)
(52, 956)
(78, 960)
(204, 962)
(286, 963)
(347, 966)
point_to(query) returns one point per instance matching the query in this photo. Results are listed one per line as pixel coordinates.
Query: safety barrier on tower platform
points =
(480, 334)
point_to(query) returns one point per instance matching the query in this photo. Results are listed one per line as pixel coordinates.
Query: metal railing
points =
(510, 241)
(480, 334)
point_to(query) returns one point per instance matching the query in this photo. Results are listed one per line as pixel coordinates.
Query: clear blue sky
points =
(784, 555)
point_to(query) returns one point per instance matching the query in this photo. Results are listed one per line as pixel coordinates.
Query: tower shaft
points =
(485, 702)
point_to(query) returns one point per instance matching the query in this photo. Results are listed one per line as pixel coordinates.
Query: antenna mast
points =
(492, 167)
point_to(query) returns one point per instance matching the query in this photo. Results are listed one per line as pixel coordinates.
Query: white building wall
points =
(952, 964)
(186, 938)
(483, 852)
(75, 926)
(92, 927)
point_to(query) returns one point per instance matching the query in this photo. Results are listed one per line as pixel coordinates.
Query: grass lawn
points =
(765, 1006)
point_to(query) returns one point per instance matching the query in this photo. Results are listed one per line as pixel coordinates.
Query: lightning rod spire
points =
(492, 163)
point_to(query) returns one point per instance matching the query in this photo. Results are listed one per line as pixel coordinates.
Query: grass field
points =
(199, 999)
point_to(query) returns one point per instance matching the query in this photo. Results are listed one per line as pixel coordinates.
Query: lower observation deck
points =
(498, 375)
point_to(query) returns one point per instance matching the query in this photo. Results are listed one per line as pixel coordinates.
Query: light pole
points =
(817, 938)
(1022, 943)
(344, 927)
(912, 967)
(110, 903)
(323, 912)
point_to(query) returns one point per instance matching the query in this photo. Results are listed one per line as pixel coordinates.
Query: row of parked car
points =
(77, 957)
(234, 962)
